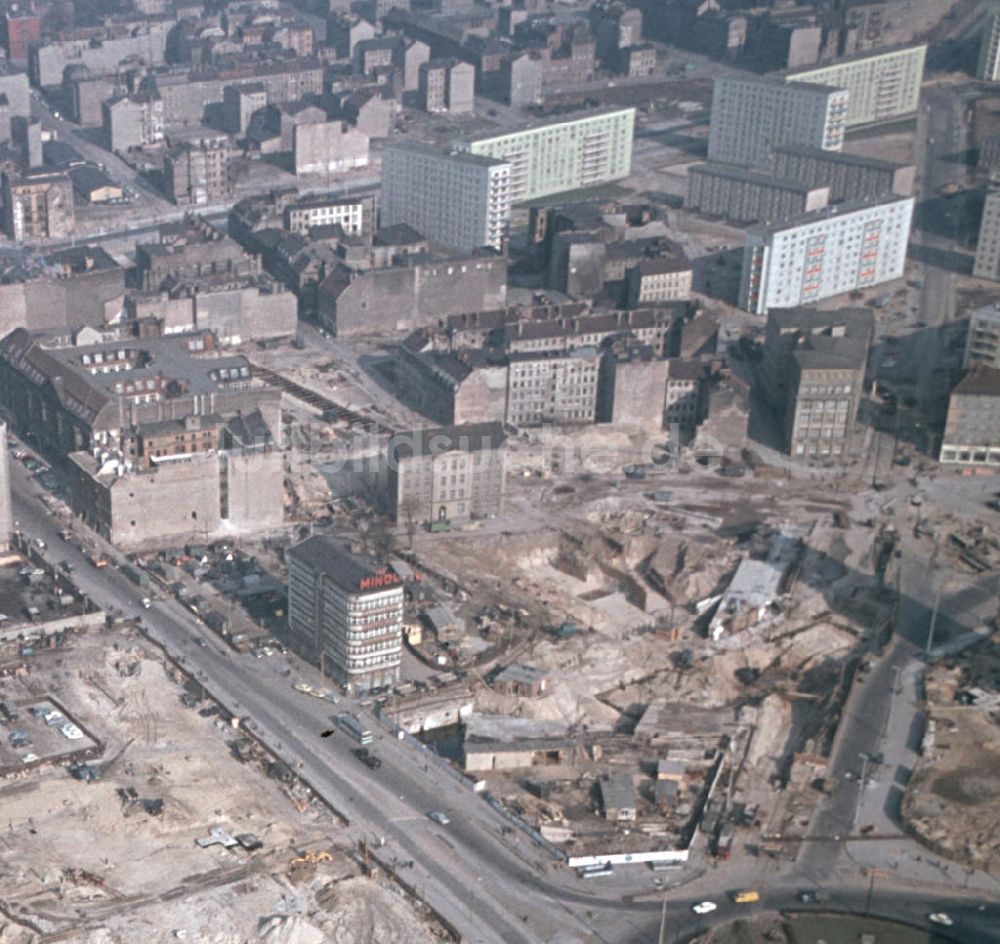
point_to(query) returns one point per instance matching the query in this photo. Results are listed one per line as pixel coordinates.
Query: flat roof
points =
(733, 172)
(459, 157)
(856, 57)
(837, 157)
(352, 572)
(982, 381)
(827, 213)
(550, 123)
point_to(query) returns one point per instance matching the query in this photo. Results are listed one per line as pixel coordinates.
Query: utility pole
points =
(873, 874)
(663, 917)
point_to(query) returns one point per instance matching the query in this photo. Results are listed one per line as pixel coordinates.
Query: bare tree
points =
(409, 510)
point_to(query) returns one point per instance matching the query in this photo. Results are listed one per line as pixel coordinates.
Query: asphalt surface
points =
(496, 887)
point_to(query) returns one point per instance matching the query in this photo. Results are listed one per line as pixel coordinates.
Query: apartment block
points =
(813, 372)
(38, 206)
(328, 147)
(667, 279)
(103, 406)
(749, 197)
(345, 612)
(452, 473)
(987, 265)
(565, 155)
(132, 121)
(559, 388)
(883, 84)
(456, 199)
(239, 102)
(354, 214)
(751, 116)
(825, 253)
(988, 66)
(972, 428)
(447, 86)
(683, 396)
(198, 175)
(982, 343)
(848, 176)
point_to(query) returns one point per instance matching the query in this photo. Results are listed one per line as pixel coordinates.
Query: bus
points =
(594, 871)
(352, 726)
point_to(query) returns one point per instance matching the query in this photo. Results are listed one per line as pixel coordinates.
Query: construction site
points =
(952, 801)
(204, 835)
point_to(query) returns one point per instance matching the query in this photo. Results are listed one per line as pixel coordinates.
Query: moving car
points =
(439, 818)
(745, 896)
(367, 758)
(809, 896)
(704, 907)
(939, 917)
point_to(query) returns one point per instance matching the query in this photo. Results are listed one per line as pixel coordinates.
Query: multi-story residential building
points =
(328, 147)
(848, 176)
(447, 86)
(825, 253)
(101, 51)
(162, 439)
(683, 395)
(972, 429)
(665, 279)
(456, 199)
(18, 30)
(345, 612)
(354, 214)
(132, 121)
(198, 176)
(749, 197)
(563, 155)
(987, 265)
(988, 66)
(239, 102)
(813, 372)
(38, 206)
(451, 473)
(751, 116)
(6, 511)
(883, 84)
(190, 249)
(559, 387)
(982, 343)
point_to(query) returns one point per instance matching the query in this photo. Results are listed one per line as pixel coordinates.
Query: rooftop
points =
(471, 437)
(981, 382)
(352, 572)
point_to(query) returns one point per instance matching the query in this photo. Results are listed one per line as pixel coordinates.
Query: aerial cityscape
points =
(500, 472)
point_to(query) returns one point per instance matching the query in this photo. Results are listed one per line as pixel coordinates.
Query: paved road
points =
(497, 889)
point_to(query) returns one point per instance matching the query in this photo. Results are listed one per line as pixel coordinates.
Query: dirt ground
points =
(77, 856)
(953, 798)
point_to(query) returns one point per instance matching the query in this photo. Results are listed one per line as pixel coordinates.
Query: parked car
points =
(71, 732)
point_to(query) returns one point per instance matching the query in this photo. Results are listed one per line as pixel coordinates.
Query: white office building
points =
(987, 264)
(453, 198)
(751, 116)
(989, 47)
(825, 253)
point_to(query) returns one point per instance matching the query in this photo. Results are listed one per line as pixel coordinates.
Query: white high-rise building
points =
(454, 198)
(828, 252)
(6, 514)
(752, 115)
(345, 612)
(988, 248)
(989, 47)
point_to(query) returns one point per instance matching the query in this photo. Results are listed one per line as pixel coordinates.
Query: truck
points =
(353, 726)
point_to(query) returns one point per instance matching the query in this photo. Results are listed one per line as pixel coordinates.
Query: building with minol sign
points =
(345, 612)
